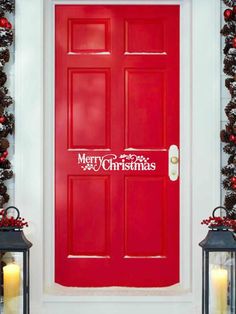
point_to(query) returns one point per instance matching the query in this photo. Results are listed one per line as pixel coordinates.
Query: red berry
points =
(5, 154)
(8, 25)
(232, 138)
(228, 14)
(3, 22)
(2, 119)
(234, 42)
(2, 159)
(234, 186)
(233, 179)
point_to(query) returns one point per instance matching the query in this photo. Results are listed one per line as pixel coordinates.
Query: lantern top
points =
(12, 237)
(219, 240)
(14, 240)
(11, 220)
(220, 222)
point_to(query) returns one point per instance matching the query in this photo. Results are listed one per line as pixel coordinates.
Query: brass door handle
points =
(173, 162)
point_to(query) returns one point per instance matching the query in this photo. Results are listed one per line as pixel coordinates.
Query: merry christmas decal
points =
(113, 162)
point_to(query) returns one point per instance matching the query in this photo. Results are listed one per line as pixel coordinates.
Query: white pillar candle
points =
(219, 279)
(11, 288)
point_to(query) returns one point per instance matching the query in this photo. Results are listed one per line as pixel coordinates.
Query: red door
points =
(117, 114)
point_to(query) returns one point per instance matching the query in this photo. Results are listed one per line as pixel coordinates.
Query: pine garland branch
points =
(230, 3)
(7, 6)
(6, 118)
(228, 134)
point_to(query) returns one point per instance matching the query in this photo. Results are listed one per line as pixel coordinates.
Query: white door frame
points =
(200, 157)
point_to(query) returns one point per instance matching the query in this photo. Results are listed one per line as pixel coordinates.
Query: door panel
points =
(144, 35)
(145, 127)
(144, 218)
(116, 115)
(89, 120)
(80, 237)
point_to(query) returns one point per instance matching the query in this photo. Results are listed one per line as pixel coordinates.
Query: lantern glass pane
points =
(11, 289)
(222, 282)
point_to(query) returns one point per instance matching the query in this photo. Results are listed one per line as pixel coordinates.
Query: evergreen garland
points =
(228, 134)
(6, 118)
(230, 3)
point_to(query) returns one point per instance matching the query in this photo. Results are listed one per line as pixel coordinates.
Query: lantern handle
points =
(219, 207)
(16, 209)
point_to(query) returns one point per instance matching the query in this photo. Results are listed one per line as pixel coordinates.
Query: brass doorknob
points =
(174, 160)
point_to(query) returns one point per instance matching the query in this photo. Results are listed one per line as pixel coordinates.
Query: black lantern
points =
(14, 255)
(219, 271)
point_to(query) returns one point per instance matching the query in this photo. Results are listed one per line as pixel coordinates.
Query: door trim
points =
(200, 154)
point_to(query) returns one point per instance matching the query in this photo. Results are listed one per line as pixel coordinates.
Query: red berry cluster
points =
(215, 222)
(6, 222)
(228, 15)
(5, 23)
(232, 181)
(3, 156)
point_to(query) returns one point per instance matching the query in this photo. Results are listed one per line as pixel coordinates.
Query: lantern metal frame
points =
(218, 239)
(13, 240)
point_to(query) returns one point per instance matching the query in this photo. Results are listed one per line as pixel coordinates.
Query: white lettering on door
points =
(112, 162)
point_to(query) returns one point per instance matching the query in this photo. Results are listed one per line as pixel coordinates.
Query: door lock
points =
(174, 160)
(173, 163)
